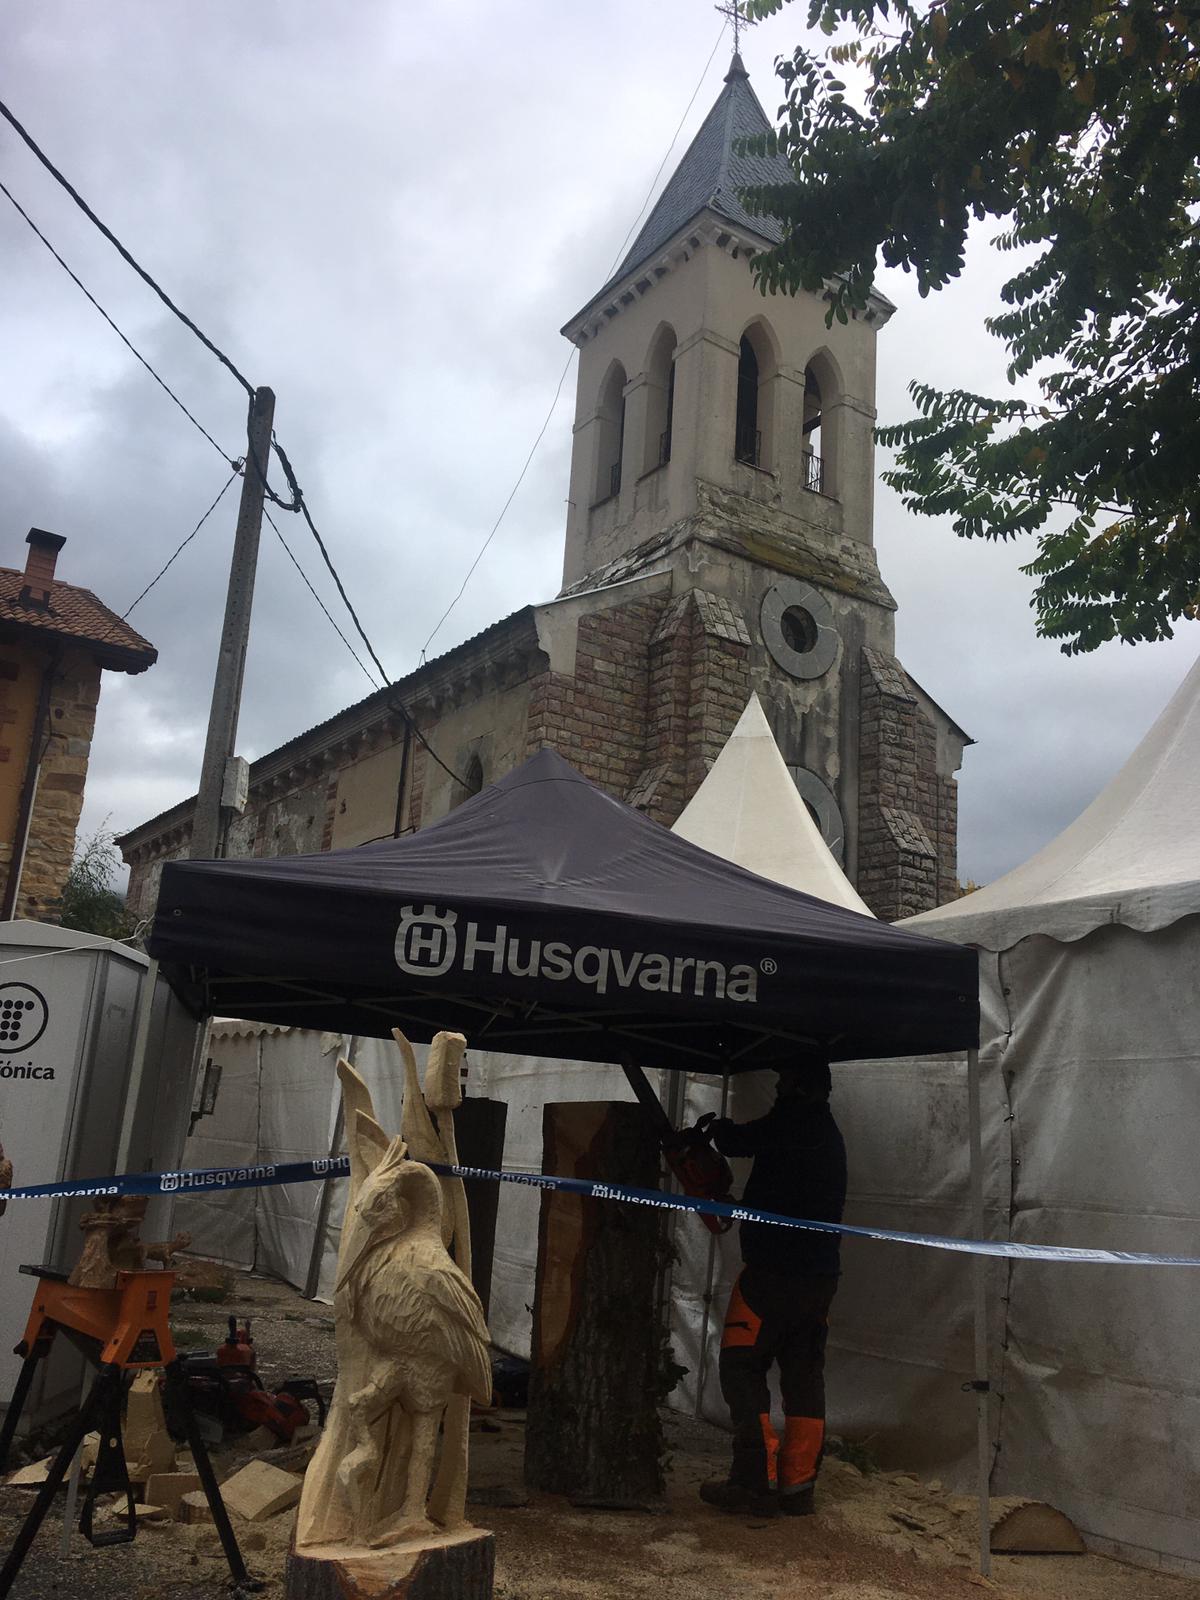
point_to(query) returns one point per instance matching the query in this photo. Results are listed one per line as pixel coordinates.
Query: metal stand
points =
(177, 1396)
(87, 1316)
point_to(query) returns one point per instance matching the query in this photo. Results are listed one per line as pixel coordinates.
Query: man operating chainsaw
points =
(779, 1307)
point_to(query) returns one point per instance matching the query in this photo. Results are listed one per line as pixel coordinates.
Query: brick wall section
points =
(657, 688)
(898, 867)
(68, 744)
(597, 719)
(662, 787)
(720, 684)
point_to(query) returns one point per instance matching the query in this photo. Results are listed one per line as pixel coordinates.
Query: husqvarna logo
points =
(425, 941)
(427, 946)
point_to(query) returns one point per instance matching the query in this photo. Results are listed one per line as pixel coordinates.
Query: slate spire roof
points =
(710, 173)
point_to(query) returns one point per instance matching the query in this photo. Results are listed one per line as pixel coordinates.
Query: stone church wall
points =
(655, 688)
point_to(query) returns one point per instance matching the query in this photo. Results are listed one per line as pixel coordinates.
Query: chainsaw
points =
(700, 1170)
(224, 1385)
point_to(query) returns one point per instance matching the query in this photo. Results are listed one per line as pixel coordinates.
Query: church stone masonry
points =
(719, 540)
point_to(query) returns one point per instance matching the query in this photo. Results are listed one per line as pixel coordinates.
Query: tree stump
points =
(600, 1363)
(459, 1567)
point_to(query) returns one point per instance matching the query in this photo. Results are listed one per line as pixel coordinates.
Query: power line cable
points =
(562, 378)
(563, 375)
(237, 467)
(396, 704)
(299, 504)
(304, 575)
(296, 504)
(79, 284)
(670, 147)
(121, 250)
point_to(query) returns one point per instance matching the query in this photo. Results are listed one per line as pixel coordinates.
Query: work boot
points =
(751, 1482)
(727, 1495)
(797, 1502)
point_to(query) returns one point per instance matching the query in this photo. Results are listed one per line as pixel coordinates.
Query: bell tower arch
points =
(764, 401)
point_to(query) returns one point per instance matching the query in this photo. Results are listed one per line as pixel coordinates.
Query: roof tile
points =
(75, 613)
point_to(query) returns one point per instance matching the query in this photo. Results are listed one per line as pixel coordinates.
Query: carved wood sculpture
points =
(427, 1124)
(111, 1243)
(410, 1335)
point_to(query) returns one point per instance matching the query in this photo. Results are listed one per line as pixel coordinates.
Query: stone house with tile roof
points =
(719, 540)
(55, 641)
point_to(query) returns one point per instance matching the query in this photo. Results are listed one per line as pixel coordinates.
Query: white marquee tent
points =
(1090, 1057)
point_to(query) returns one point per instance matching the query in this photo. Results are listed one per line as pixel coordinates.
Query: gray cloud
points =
(386, 214)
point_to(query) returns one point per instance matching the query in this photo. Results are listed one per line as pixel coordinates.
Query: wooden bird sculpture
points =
(427, 1126)
(410, 1336)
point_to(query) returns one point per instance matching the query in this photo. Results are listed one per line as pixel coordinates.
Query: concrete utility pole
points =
(209, 826)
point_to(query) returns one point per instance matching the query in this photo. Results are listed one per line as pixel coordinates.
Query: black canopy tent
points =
(544, 917)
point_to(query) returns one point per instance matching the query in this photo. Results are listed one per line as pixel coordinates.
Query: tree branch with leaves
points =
(1077, 125)
(91, 902)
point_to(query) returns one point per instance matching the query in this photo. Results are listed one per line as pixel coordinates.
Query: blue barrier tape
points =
(207, 1178)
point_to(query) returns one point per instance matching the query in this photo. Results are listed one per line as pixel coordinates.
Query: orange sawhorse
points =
(121, 1331)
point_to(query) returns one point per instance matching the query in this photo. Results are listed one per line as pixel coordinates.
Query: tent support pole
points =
(137, 1065)
(312, 1281)
(702, 1366)
(979, 1277)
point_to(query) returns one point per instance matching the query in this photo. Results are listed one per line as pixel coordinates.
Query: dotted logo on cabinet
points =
(23, 1017)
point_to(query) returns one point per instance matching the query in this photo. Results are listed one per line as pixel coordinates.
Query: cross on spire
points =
(732, 12)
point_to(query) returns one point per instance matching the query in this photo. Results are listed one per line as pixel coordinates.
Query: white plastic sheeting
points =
(1091, 1086)
(277, 1102)
(1091, 1079)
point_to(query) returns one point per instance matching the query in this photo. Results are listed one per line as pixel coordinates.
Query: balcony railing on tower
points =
(814, 472)
(614, 479)
(664, 447)
(748, 446)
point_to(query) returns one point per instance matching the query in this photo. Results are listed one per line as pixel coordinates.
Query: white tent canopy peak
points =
(1132, 858)
(750, 812)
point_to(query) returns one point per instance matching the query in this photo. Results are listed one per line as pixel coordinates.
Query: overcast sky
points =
(385, 211)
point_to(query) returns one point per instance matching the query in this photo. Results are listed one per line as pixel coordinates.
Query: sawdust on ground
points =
(874, 1537)
(884, 1536)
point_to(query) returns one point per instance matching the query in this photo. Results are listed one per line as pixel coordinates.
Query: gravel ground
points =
(874, 1537)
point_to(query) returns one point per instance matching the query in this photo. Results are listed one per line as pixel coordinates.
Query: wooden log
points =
(460, 1566)
(599, 1360)
(1031, 1527)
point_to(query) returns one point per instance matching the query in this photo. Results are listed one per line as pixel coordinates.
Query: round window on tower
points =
(821, 804)
(798, 628)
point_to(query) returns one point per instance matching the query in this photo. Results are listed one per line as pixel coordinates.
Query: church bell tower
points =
(728, 437)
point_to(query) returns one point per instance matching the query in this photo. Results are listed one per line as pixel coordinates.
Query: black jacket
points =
(800, 1171)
